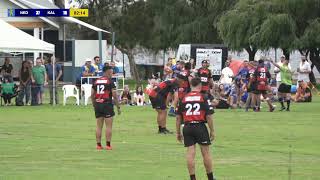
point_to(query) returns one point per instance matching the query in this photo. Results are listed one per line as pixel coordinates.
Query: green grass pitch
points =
(59, 143)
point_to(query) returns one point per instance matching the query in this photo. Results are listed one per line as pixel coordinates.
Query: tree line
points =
(240, 24)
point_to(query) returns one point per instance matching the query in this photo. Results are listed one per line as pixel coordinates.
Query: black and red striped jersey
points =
(261, 76)
(184, 87)
(103, 87)
(205, 76)
(194, 107)
(164, 88)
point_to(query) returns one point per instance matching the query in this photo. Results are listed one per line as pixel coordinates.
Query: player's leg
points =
(99, 132)
(173, 104)
(249, 101)
(267, 98)
(191, 153)
(207, 160)
(288, 99)
(160, 120)
(281, 96)
(109, 122)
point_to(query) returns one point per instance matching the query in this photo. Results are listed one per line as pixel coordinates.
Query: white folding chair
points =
(86, 92)
(70, 91)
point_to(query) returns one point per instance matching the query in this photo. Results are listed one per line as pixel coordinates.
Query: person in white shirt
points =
(304, 70)
(226, 74)
(277, 70)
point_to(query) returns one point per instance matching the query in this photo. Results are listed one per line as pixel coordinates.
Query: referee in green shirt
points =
(284, 90)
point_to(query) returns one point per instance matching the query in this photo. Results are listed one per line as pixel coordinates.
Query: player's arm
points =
(275, 64)
(116, 101)
(210, 122)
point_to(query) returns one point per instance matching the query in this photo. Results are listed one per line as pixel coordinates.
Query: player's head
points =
(282, 58)
(107, 71)
(196, 84)
(187, 66)
(261, 63)
(285, 62)
(205, 63)
(180, 64)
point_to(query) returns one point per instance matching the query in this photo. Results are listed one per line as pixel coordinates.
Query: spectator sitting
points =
(303, 93)
(125, 96)
(223, 101)
(86, 70)
(97, 66)
(115, 68)
(8, 91)
(7, 69)
(138, 96)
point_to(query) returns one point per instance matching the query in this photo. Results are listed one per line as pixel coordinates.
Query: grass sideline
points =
(48, 142)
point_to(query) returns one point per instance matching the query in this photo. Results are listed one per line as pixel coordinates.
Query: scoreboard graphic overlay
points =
(48, 13)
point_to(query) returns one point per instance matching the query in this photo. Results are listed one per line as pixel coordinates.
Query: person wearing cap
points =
(277, 70)
(104, 96)
(304, 70)
(86, 70)
(206, 79)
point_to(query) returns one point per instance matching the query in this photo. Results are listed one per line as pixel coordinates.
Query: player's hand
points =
(179, 137)
(212, 135)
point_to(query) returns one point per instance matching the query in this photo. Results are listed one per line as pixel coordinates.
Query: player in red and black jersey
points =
(195, 111)
(251, 87)
(103, 94)
(262, 75)
(158, 97)
(206, 78)
(184, 87)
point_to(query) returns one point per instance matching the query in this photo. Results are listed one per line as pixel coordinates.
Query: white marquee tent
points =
(13, 39)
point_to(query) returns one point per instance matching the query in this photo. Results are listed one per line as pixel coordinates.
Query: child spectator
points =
(7, 91)
(138, 96)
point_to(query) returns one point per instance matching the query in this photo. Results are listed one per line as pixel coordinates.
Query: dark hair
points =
(187, 66)
(195, 82)
(261, 61)
(137, 91)
(106, 68)
(96, 57)
(24, 62)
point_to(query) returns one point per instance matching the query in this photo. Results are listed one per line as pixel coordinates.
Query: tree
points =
(239, 26)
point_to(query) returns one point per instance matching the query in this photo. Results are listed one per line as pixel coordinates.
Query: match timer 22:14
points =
(79, 12)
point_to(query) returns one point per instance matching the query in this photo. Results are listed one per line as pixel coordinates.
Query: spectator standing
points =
(114, 67)
(277, 70)
(139, 96)
(97, 66)
(304, 70)
(226, 75)
(25, 83)
(39, 78)
(58, 74)
(7, 69)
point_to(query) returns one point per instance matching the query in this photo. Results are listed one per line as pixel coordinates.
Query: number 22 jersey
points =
(195, 107)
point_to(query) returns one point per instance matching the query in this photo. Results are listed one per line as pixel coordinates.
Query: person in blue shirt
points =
(115, 68)
(240, 78)
(97, 66)
(58, 74)
(86, 70)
